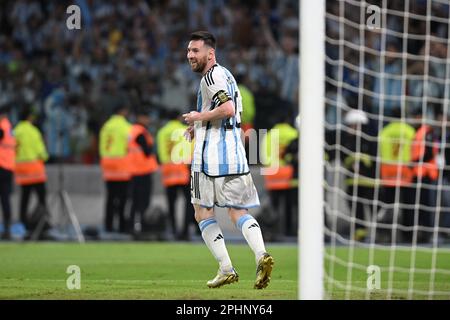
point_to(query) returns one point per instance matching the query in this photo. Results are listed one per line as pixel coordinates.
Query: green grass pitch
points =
(410, 267)
(137, 271)
(179, 271)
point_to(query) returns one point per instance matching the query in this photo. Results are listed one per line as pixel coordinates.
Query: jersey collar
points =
(212, 67)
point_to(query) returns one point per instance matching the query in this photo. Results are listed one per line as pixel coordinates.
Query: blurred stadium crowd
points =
(134, 52)
(364, 49)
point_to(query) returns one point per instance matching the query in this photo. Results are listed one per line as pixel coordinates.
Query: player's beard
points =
(200, 65)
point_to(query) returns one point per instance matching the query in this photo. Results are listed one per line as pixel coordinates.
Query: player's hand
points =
(189, 133)
(191, 117)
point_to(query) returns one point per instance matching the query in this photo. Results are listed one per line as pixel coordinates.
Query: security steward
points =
(7, 159)
(143, 164)
(395, 141)
(114, 161)
(424, 155)
(30, 173)
(174, 154)
(279, 179)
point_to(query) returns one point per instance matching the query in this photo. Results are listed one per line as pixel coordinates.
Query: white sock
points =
(213, 237)
(252, 233)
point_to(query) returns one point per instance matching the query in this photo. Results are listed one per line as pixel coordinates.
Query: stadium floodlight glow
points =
(312, 60)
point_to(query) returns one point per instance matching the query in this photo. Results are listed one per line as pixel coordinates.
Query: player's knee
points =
(197, 216)
(203, 213)
(235, 214)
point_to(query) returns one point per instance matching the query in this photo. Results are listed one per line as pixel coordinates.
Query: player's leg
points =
(202, 188)
(239, 193)
(213, 237)
(252, 233)
(250, 229)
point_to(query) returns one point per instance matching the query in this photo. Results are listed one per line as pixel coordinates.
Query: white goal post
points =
(312, 106)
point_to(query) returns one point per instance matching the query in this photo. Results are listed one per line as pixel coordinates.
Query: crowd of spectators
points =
(134, 52)
(381, 70)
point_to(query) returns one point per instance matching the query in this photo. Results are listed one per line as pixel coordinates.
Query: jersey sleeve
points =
(216, 85)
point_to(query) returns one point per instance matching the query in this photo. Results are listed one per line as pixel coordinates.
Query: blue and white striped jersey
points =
(218, 149)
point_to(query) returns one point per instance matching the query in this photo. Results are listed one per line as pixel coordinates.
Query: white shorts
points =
(237, 191)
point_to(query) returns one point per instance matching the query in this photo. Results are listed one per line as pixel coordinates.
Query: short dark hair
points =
(121, 108)
(26, 112)
(207, 37)
(143, 111)
(173, 114)
(122, 102)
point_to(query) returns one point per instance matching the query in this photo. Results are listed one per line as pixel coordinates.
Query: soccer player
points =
(219, 173)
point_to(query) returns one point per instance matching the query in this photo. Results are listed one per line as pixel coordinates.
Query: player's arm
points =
(223, 111)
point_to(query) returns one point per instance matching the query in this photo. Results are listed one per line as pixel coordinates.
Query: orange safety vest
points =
(429, 168)
(393, 175)
(175, 174)
(280, 180)
(140, 164)
(7, 146)
(115, 169)
(30, 172)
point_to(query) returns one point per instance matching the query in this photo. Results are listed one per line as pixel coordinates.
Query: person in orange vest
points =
(175, 171)
(143, 164)
(7, 159)
(442, 133)
(424, 154)
(30, 171)
(113, 143)
(395, 142)
(279, 180)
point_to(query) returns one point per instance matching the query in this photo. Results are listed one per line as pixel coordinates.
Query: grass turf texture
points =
(402, 261)
(137, 271)
(180, 271)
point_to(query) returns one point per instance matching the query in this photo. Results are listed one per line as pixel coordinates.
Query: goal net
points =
(387, 150)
